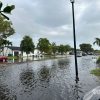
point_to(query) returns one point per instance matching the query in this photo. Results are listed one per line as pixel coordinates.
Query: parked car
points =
(3, 59)
(79, 53)
(84, 54)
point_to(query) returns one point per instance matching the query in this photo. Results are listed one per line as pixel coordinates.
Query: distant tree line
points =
(44, 45)
(86, 47)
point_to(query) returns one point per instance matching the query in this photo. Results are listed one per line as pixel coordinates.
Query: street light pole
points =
(74, 36)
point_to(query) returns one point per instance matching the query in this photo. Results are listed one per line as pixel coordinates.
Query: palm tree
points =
(97, 41)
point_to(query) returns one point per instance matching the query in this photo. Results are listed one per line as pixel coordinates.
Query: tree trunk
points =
(27, 57)
(27, 60)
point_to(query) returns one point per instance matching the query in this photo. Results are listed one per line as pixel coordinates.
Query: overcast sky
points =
(52, 19)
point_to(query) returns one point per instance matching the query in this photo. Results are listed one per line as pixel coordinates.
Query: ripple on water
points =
(47, 80)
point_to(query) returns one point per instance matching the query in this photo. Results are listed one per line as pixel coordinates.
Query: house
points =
(10, 51)
(15, 51)
(37, 53)
(1, 48)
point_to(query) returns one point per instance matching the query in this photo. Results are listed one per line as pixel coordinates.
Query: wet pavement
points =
(48, 80)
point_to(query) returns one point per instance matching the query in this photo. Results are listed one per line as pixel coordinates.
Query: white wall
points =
(7, 51)
(24, 54)
(36, 53)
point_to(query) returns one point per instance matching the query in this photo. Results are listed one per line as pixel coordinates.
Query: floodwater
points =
(48, 79)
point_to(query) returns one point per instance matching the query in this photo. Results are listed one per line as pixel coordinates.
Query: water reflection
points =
(63, 63)
(47, 80)
(24, 59)
(76, 91)
(44, 76)
(98, 66)
(27, 79)
(5, 93)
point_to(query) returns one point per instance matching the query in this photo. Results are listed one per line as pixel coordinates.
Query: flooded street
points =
(48, 80)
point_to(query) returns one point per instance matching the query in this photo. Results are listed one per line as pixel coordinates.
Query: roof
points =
(14, 48)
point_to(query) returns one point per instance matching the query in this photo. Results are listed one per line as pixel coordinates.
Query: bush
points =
(9, 55)
(96, 72)
(98, 61)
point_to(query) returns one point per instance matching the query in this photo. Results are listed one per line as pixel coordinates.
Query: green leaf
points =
(0, 5)
(5, 16)
(8, 9)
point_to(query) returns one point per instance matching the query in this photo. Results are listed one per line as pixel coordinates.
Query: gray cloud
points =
(53, 19)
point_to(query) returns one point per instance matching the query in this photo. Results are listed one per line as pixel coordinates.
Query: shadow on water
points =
(44, 74)
(30, 80)
(63, 63)
(76, 91)
(47, 80)
(27, 78)
(6, 94)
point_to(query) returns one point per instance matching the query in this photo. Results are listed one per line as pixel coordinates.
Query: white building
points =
(15, 51)
(10, 51)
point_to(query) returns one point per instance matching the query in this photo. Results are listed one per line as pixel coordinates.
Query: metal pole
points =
(75, 52)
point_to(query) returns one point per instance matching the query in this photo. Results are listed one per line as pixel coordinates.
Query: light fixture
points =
(72, 1)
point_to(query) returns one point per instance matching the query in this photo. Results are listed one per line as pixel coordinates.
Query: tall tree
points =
(6, 28)
(61, 49)
(43, 45)
(67, 48)
(27, 45)
(54, 48)
(86, 47)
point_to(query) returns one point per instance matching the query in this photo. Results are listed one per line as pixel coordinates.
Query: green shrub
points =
(12, 57)
(9, 55)
(96, 72)
(98, 61)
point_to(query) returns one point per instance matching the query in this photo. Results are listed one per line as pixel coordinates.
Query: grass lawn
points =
(10, 58)
(96, 72)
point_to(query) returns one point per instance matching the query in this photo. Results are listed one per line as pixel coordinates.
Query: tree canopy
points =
(86, 47)
(43, 45)
(27, 45)
(61, 49)
(67, 48)
(5, 43)
(54, 48)
(6, 29)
